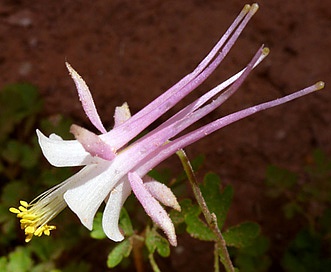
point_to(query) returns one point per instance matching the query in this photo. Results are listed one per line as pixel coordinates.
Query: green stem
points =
(153, 263)
(211, 218)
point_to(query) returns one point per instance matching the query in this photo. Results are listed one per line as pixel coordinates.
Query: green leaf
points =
(18, 101)
(8, 223)
(218, 202)
(22, 98)
(321, 166)
(97, 232)
(120, 251)
(177, 217)
(20, 260)
(155, 241)
(125, 222)
(307, 252)
(241, 235)
(13, 192)
(279, 180)
(253, 258)
(52, 176)
(163, 175)
(257, 248)
(47, 266)
(29, 156)
(57, 124)
(20, 153)
(3, 263)
(48, 248)
(290, 209)
(12, 152)
(195, 226)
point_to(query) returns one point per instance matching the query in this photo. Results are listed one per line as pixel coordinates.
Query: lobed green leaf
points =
(154, 241)
(19, 260)
(194, 225)
(218, 201)
(279, 180)
(241, 235)
(120, 251)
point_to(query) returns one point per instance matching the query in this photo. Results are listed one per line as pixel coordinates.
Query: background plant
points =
(306, 198)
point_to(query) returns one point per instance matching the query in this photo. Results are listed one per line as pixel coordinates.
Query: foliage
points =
(307, 198)
(218, 200)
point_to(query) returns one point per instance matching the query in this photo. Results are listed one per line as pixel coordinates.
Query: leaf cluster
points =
(307, 198)
(218, 199)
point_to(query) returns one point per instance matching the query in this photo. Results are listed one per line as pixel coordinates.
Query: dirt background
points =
(132, 51)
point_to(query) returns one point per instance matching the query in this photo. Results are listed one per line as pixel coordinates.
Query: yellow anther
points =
(265, 51)
(26, 221)
(14, 210)
(29, 216)
(246, 8)
(29, 230)
(39, 231)
(319, 85)
(47, 230)
(34, 218)
(254, 8)
(28, 238)
(24, 203)
(21, 208)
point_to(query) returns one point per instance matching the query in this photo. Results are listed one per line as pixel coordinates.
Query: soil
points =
(129, 50)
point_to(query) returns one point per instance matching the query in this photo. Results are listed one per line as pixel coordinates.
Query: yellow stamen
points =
(24, 203)
(34, 217)
(28, 238)
(14, 210)
(21, 208)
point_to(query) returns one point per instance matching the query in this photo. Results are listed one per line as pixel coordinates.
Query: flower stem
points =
(211, 218)
(153, 263)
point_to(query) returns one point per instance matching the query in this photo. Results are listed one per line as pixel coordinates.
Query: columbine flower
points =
(113, 167)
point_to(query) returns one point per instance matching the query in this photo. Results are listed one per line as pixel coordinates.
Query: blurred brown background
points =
(132, 51)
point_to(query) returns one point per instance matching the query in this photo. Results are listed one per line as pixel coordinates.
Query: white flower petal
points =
(90, 189)
(54, 136)
(63, 153)
(113, 208)
(122, 114)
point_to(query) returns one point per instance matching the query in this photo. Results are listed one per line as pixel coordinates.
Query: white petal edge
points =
(64, 153)
(113, 208)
